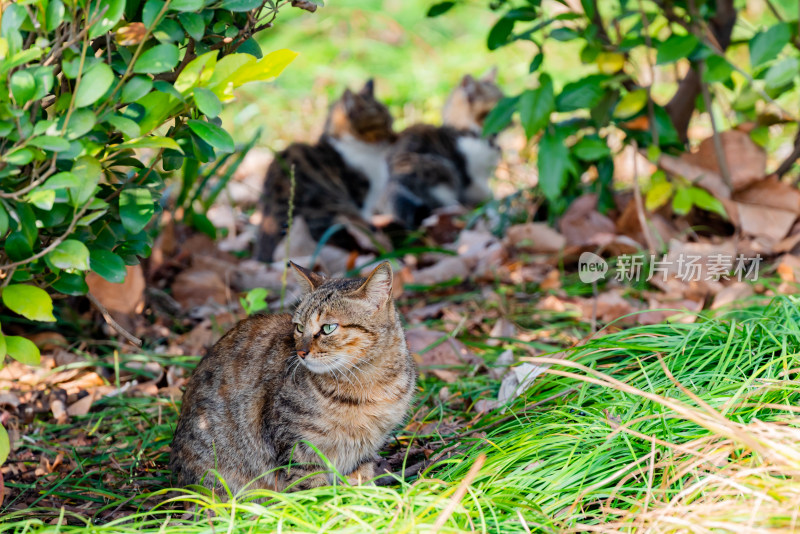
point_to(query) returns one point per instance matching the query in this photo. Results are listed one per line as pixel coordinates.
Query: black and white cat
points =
(432, 167)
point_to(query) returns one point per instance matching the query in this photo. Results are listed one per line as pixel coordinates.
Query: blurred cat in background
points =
(343, 175)
(432, 167)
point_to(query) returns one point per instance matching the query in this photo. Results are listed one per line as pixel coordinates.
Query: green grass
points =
(569, 454)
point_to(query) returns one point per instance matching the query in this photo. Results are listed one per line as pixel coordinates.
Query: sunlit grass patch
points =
(675, 427)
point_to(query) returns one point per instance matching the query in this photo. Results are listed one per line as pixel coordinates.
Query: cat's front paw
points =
(363, 474)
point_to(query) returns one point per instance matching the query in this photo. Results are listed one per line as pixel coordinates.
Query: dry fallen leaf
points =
(535, 237)
(444, 270)
(581, 222)
(449, 352)
(126, 298)
(734, 292)
(198, 287)
(746, 160)
(81, 407)
(503, 328)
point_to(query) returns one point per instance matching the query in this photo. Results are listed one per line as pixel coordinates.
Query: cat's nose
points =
(302, 353)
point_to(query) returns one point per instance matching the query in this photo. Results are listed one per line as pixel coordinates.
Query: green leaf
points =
(29, 301)
(50, 142)
(71, 284)
(129, 128)
(235, 70)
(136, 88)
(151, 142)
(23, 350)
(89, 171)
(198, 72)
(193, 24)
(150, 12)
(23, 86)
(62, 180)
(136, 209)
(17, 246)
(782, 72)
(19, 156)
(676, 47)
(582, 94)
(70, 254)
(54, 15)
(186, 5)
(682, 201)
(766, 45)
(94, 84)
(240, 5)
(108, 265)
(704, 200)
(553, 164)
(536, 105)
(169, 31)
(109, 18)
(160, 58)
(632, 103)
(42, 198)
(500, 116)
(158, 108)
(213, 135)
(760, 136)
(5, 443)
(499, 34)
(591, 149)
(536, 62)
(80, 123)
(658, 195)
(440, 9)
(718, 70)
(3, 221)
(207, 102)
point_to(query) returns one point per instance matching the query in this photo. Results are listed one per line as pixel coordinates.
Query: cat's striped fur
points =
(342, 176)
(277, 383)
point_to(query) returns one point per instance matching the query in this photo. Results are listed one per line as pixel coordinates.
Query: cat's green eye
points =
(328, 328)
(299, 327)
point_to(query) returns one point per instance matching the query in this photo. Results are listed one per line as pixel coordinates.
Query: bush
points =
(99, 102)
(621, 43)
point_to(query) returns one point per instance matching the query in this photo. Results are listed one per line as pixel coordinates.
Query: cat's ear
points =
(308, 280)
(377, 289)
(368, 89)
(468, 82)
(348, 99)
(490, 76)
(469, 85)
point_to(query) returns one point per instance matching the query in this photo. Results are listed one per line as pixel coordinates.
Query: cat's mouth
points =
(319, 364)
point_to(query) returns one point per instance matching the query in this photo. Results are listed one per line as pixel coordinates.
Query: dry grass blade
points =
(459, 493)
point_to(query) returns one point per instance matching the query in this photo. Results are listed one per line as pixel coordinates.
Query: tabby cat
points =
(336, 375)
(432, 167)
(342, 176)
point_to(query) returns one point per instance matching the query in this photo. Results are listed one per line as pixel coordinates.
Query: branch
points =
(49, 248)
(784, 167)
(114, 324)
(681, 107)
(722, 160)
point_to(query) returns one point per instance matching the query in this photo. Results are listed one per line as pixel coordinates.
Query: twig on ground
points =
(114, 324)
(637, 197)
(722, 161)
